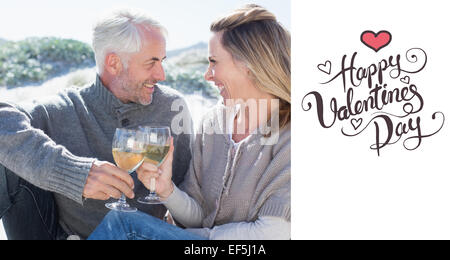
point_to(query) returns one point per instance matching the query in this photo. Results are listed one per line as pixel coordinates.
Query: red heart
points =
(376, 41)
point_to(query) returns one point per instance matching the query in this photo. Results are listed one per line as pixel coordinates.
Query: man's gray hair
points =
(118, 32)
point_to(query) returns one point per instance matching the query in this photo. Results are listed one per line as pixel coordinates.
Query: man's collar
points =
(106, 98)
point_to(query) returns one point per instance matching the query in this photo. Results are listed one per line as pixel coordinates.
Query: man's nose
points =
(159, 74)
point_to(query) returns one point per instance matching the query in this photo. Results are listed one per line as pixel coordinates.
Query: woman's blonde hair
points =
(254, 36)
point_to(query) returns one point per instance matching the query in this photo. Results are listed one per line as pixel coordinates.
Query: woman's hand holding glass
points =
(161, 175)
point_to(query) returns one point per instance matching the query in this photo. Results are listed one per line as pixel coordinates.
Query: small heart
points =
(376, 41)
(405, 79)
(356, 123)
(326, 67)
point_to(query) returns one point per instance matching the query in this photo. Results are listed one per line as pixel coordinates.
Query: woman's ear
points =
(113, 64)
(244, 68)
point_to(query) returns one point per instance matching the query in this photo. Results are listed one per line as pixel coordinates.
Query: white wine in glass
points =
(128, 153)
(157, 145)
(127, 160)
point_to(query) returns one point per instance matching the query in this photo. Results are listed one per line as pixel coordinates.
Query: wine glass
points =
(157, 145)
(128, 151)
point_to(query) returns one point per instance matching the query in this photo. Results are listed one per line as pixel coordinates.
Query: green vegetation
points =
(35, 60)
(190, 82)
(185, 72)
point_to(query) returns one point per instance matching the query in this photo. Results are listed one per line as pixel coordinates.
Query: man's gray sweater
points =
(53, 142)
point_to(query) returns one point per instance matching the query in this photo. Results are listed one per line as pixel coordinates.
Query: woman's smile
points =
(223, 91)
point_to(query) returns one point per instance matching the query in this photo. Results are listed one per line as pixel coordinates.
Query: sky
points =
(187, 21)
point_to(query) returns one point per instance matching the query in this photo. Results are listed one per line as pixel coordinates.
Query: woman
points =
(238, 184)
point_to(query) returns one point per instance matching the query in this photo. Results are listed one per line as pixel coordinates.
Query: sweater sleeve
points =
(191, 185)
(33, 156)
(187, 203)
(184, 209)
(264, 228)
(188, 213)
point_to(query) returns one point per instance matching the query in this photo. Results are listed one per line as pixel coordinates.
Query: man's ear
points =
(113, 64)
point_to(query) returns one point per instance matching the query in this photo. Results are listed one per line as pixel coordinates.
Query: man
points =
(58, 165)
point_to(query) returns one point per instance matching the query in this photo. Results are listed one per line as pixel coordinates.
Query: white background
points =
(341, 189)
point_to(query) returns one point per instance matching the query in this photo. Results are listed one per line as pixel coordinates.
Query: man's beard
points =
(133, 90)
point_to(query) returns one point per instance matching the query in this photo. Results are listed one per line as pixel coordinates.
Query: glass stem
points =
(152, 186)
(122, 199)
